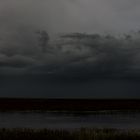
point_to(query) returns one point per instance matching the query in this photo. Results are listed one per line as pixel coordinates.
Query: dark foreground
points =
(82, 134)
(22, 104)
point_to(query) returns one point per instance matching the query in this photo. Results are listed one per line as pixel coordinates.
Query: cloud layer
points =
(87, 55)
(71, 56)
(70, 15)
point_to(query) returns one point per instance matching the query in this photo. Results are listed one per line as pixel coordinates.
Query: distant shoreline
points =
(25, 104)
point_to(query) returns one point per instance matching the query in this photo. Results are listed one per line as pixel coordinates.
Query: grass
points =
(81, 134)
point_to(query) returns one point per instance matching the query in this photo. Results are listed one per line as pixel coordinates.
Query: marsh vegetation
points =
(81, 134)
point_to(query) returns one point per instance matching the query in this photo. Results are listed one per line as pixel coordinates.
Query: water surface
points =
(57, 120)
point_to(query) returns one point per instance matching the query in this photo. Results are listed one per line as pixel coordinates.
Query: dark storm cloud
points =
(15, 61)
(73, 66)
(75, 56)
(92, 55)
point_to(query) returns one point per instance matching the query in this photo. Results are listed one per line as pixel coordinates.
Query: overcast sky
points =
(69, 67)
(71, 15)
